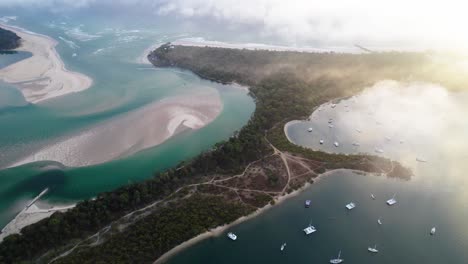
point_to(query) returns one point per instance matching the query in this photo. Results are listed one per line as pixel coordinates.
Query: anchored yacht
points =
(372, 196)
(336, 144)
(310, 229)
(307, 203)
(433, 230)
(351, 206)
(232, 236)
(373, 249)
(310, 129)
(392, 201)
(337, 260)
(379, 221)
(283, 246)
(321, 142)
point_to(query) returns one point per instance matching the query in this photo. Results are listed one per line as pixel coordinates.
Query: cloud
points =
(422, 23)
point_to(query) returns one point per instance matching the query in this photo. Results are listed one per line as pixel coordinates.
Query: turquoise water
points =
(404, 121)
(108, 53)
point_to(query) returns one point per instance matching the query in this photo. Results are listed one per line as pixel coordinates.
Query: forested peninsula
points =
(140, 222)
(8, 40)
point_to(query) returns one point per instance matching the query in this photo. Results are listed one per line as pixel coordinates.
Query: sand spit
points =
(133, 131)
(42, 76)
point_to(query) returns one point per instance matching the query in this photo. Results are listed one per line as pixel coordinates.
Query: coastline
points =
(42, 76)
(220, 230)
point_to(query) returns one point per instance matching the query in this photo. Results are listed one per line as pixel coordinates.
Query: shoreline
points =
(220, 230)
(31, 214)
(43, 75)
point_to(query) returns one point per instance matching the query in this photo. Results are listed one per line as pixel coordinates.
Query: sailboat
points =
(373, 249)
(392, 201)
(337, 260)
(283, 246)
(433, 230)
(310, 229)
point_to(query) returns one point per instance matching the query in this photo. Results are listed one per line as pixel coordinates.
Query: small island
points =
(240, 177)
(8, 40)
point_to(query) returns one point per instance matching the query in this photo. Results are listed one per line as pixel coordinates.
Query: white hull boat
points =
(433, 231)
(373, 249)
(337, 260)
(232, 236)
(350, 206)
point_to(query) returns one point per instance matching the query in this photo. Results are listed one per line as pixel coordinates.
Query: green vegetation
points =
(286, 86)
(9, 40)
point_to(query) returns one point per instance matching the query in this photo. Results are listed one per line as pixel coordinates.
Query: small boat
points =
(379, 150)
(421, 160)
(373, 249)
(321, 142)
(232, 236)
(388, 139)
(372, 196)
(307, 203)
(358, 130)
(330, 120)
(392, 201)
(337, 260)
(356, 144)
(336, 144)
(379, 221)
(402, 141)
(333, 105)
(283, 246)
(351, 206)
(310, 229)
(310, 129)
(433, 230)
(331, 126)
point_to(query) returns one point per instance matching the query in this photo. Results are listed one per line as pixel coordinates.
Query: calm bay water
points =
(107, 51)
(405, 121)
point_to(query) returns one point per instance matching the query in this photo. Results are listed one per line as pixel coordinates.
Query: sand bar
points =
(42, 76)
(130, 132)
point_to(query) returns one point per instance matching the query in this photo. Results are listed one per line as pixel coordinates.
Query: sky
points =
(430, 24)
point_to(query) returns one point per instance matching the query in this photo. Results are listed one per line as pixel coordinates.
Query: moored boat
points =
(392, 201)
(232, 236)
(351, 206)
(337, 260)
(373, 249)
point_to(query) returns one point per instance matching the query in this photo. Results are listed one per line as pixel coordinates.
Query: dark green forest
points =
(9, 40)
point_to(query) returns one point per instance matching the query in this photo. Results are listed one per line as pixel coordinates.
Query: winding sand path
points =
(43, 75)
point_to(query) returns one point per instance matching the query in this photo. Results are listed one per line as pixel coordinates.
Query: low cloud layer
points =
(333, 22)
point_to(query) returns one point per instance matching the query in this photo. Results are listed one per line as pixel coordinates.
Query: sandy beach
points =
(42, 76)
(220, 230)
(131, 132)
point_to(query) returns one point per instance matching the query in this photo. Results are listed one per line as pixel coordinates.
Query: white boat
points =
(388, 139)
(321, 141)
(232, 236)
(330, 120)
(310, 129)
(379, 221)
(433, 230)
(356, 144)
(372, 196)
(337, 260)
(336, 144)
(283, 246)
(351, 206)
(421, 160)
(331, 126)
(392, 201)
(373, 249)
(358, 130)
(379, 150)
(310, 229)
(333, 105)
